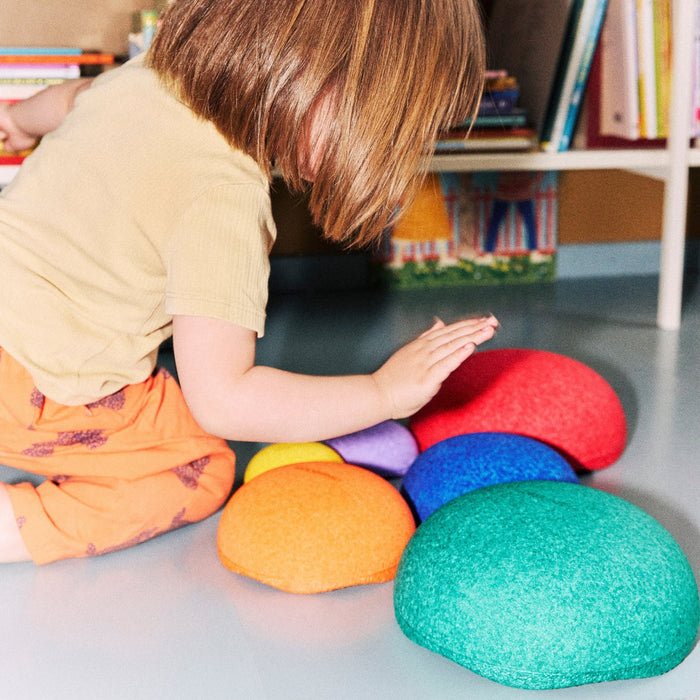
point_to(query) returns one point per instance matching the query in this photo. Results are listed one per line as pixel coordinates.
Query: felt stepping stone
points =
(463, 463)
(539, 394)
(314, 527)
(388, 448)
(281, 454)
(547, 584)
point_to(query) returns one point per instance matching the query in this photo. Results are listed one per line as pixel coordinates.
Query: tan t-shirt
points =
(132, 211)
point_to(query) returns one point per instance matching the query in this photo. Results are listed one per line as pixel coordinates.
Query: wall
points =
(615, 206)
(89, 24)
(609, 206)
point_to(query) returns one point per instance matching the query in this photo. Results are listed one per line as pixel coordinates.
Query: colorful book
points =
(592, 34)
(12, 157)
(39, 50)
(39, 70)
(594, 136)
(619, 101)
(662, 64)
(646, 68)
(495, 103)
(29, 81)
(516, 117)
(556, 96)
(581, 35)
(60, 59)
(21, 91)
(512, 139)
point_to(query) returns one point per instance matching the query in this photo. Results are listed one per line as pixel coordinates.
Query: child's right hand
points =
(12, 137)
(415, 373)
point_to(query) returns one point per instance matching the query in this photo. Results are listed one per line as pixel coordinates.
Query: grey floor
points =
(167, 620)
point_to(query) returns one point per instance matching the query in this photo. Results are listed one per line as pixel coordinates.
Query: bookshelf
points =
(670, 164)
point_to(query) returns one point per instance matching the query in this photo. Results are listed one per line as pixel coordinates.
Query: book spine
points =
(9, 91)
(488, 140)
(39, 71)
(30, 81)
(39, 50)
(498, 121)
(12, 157)
(647, 68)
(582, 75)
(619, 99)
(60, 59)
(662, 63)
(567, 71)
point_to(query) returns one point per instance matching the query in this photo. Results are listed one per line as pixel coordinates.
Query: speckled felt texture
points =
(547, 584)
(314, 527)
(543, 395)
(388, 448)
(281, 454)
(460, 464)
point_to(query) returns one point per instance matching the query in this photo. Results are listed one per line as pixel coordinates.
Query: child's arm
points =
(232, 397)
(23, 123)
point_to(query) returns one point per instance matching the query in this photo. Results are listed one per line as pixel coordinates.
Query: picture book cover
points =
(474, 228)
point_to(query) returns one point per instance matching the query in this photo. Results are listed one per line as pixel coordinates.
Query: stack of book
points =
(26, 70)
(499, 125)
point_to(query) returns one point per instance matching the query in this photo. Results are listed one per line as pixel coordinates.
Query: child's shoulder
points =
(132, 93)
(133, 72)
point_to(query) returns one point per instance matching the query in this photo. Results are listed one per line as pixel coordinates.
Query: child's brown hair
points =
(401, 70)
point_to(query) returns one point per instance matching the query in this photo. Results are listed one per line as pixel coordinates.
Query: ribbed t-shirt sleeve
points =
(217, 260)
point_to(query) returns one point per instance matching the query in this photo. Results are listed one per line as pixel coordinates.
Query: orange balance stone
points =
(314, 527)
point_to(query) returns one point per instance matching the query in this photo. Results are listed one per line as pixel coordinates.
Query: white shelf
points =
(651, 160)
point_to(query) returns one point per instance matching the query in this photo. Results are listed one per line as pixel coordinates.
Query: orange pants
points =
(118, 472)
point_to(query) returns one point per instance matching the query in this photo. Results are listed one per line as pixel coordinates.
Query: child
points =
(146, 213)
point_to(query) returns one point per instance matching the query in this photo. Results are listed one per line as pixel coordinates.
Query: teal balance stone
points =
(547, 584)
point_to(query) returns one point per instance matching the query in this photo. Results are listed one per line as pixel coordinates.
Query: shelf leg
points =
(676, 193)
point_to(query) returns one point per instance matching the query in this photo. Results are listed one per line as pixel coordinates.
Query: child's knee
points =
(205, 484)
(79, 517)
